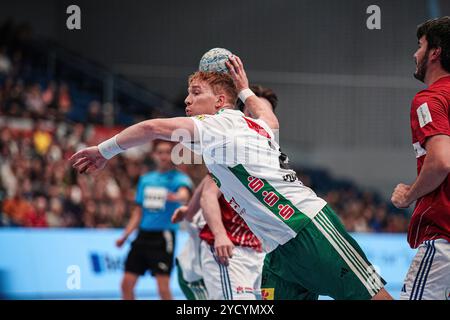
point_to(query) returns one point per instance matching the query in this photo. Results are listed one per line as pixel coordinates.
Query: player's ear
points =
(435, 53)
(220, 102)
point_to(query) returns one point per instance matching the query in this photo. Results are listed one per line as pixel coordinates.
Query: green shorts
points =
(195, 290)
(323, 259)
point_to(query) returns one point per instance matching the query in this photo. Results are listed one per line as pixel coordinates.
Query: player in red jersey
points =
(429, 229)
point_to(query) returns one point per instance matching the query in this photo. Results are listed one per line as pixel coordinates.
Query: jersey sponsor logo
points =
(286, 211)
(344, 271)
(268, 294)
(236, 207)
(271, 198)
(419, 151)
(200, 117)
(233, 204)
(255, 184)
(424, 115)
(242, 290)
(291, 177)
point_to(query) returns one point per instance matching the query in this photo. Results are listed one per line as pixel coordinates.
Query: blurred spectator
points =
(64, 99)
(34, 102)
(37, 216)
(39, 189)
(55, 213)
(5, 62)
(95, 115)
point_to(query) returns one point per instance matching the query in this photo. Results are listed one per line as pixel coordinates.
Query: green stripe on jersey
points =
(271, 199)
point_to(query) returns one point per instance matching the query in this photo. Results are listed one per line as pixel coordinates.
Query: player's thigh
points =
(273, 287)
(326, 260)
(160, 255)
(428, 277)
(240, 279)
(136, 260)
(245, 268)
(193, 290)
(215, 277)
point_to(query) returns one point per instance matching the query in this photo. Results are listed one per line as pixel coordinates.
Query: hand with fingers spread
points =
(88, 160)
(237, 73)
(223, 247)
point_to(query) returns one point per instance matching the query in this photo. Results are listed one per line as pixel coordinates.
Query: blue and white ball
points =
(214, 60)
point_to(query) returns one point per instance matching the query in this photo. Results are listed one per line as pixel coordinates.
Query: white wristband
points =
(109, 148)
(244, 94)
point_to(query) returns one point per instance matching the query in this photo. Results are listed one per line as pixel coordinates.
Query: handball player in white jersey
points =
(309, 253)
(215, 272)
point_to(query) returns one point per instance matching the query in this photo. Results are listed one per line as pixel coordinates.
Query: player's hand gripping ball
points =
(214, 60)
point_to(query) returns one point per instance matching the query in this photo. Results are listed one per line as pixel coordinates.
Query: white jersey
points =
(244, 159)
(189, 257)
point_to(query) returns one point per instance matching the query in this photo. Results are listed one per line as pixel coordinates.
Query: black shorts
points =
(153, 251)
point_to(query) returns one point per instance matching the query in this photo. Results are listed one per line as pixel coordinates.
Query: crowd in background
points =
(39, 189)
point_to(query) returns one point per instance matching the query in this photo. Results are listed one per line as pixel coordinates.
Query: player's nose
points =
(188, 100)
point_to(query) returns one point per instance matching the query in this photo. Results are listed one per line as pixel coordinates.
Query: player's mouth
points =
(188, 111)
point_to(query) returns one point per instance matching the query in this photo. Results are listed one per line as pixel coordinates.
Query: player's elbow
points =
(204, 198)
(150, 128)
(446, 165)
(442, 165)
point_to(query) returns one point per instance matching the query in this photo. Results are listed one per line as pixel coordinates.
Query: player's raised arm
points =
(94, 158)
(256, 106)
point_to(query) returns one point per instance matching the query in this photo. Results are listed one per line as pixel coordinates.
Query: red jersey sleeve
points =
(429, 117)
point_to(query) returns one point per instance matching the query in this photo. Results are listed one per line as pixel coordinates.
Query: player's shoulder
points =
(180, 178)
(432, 98)
(437, 94)
(223, 120)
(148, 175)
(222, 113)
(179, 174)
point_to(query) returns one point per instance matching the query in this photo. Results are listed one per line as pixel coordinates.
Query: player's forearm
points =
(430, 178)
(260, 110)
(194, 203)
(212, 214)
(183, 195)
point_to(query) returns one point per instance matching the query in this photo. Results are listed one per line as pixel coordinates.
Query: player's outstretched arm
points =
(258, 109)
(93, 159)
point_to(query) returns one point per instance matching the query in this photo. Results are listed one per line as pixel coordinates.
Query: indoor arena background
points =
(344, 96)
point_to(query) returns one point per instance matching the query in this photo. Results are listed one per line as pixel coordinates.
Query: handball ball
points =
(214, 60)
